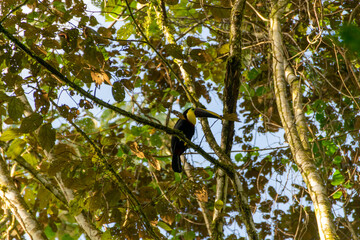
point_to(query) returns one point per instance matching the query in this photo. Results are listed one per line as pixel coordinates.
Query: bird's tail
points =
(176, 163)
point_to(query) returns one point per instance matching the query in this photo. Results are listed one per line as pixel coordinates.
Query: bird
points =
(186, 124)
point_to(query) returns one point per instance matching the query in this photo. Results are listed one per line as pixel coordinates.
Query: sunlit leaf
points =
(16, 148)
(337, 178)
(164, 226)
(337, 195)
(10, 134)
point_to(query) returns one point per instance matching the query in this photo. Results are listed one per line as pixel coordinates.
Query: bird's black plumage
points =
(186, 124)
(178, 147)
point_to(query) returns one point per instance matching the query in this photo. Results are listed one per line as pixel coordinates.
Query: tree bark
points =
(11, 196)
(294, 127)
(230, 97)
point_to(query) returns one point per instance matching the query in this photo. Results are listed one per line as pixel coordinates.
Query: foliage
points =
(98, 47)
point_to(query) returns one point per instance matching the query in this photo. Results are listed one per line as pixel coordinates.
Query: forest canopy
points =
(90, 92)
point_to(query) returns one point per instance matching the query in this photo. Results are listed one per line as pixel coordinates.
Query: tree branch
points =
(125, 189)
(228, 169)
(12, 197)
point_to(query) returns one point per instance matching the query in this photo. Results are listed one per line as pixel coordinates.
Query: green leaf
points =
(87, 124)
(253, 73)
(16, 148)
(49, 232)
(60, 6)
(238, 157)
(108, 141)
(10, 134)
(177, 177)
(225, 48)
(348, 185)
(47, 137)
(174, 50)
(31, 123)
(200, 56)
(174, 93)
(193, 41)
(106, 235)
(331, 148)
(155, 140)
(16, 108)
(125, 31)
(337, 178)
(118, 91)
(164, 226)
(249, 92)
(30, 158)
(337, 160)
(260, 91)
(210, 172)
(337, 195)
(350, 34)
(189, 235)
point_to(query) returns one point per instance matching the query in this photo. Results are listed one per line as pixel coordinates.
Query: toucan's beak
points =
(200, 112)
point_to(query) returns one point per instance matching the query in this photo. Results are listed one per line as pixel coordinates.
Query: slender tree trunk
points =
(231, 95)
(295, 127)
(11, 196)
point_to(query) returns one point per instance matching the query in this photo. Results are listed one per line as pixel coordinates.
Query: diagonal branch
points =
(67, 194)
(123, 186)
(43, 180)
(228, 169)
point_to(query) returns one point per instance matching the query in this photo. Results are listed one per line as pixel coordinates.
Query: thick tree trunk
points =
(11, 196)
(295, 127)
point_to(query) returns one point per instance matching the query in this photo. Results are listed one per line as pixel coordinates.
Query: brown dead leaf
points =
(136, 149)
(168, 218)
(99, 77)
(153, 162)
(202, 194)
(139, 152)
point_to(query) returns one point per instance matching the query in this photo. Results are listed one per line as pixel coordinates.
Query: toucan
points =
(186, 124)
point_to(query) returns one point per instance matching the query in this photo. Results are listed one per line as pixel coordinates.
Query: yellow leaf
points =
(202, 194)
(100, 76)
(153, 162)
(136, 149)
